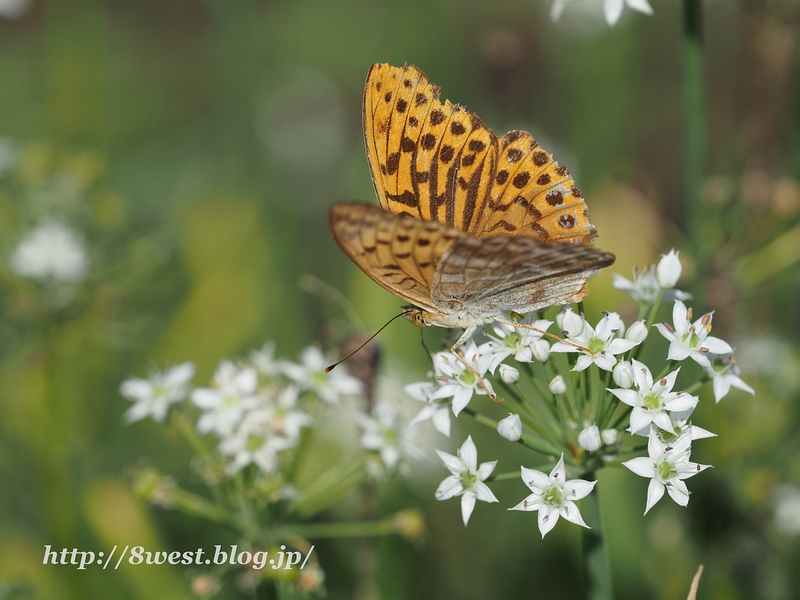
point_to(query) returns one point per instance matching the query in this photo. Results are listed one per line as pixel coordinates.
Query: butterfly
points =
(471, 226)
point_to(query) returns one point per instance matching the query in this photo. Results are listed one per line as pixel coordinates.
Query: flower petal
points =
(484, 493)
(578, 488)
(571, 513)
(469, 454)
(642, 466)
(655, 491)
(467, 506)
(448, 488)
(548, 517)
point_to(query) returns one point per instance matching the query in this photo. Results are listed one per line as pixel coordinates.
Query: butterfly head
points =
(420, 318)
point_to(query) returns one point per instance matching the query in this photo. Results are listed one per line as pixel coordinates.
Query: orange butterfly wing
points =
(430, 160)
(440, 162)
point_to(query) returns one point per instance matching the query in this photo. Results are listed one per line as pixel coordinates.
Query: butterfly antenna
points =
(372, 337)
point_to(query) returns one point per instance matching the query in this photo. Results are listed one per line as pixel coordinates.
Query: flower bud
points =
(609, 436)
(668, 270)
(557, 386)
(637, 332)
(541, 350)
(589, 439)
(568, 321)
(508, 373)
(510, 428)
(623, 374)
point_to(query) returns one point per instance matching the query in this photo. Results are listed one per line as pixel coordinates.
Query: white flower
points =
(458, 382)
(311, 375)
(689, 339)
(609, 436)
(287, 419)
(666, 467)
(264, 360)
(681, 425)
(252, 442)
(651, 400)
(510, 428)
(554, 497)
(668, 270)
(153, 396)
(726, 378)
(13, 9)
(589, 439)
(597, 346)
(557, 386)
(232, 395)
(51, 251)
(466, 479)
(522, 344)
(787, 509)
(623, 374)
(509, 374)
(385, 432)
(612, 9)
(437, 409)
(646, 285)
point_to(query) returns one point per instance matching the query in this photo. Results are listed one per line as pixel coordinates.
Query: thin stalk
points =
(540, 446)
(694, 125)
(596, 566)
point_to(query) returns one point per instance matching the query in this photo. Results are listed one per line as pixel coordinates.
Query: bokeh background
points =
(196, 146)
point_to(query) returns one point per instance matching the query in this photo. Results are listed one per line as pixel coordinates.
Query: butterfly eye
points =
(415, 315)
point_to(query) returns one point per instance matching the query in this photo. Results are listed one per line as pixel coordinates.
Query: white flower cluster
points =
(256, 407)
(646, 405)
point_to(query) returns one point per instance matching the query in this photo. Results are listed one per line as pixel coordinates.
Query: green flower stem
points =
(595, 394)
(668, 368)
(651, 318)
(694, 123)
(186, 430)
(530, 414)
(630, 449)
(626, 412)
(505, 476)
(197, 506)
(330, 487)
(541, 446)
(695, 387)
(596, 565)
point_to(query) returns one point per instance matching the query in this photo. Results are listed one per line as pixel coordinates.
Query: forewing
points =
(514, 273)
(398, 253)
(532, 196)
(429, 160)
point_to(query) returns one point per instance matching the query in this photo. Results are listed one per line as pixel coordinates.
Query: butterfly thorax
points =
(463, 318)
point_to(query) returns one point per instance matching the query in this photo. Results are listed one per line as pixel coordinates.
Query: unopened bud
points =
(637, 332)
(541, 350)
(589, 439)
(510, 428)
(668, 270)
(508, 373)
(623, 374)
(609, 436)
(557, 386)
(568, 321)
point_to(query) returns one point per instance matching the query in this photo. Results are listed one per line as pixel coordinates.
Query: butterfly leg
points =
(459, 355)
(512, 323)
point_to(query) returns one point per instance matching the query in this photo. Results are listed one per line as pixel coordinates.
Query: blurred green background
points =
(197, 145)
